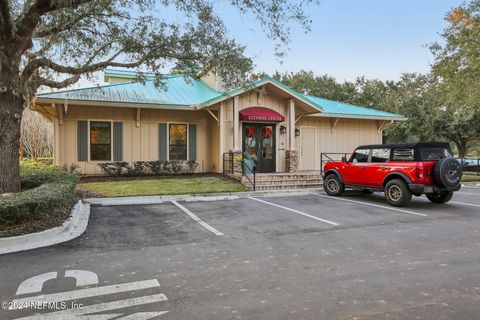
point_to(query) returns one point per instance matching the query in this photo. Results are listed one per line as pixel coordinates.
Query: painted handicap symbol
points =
(84, 278)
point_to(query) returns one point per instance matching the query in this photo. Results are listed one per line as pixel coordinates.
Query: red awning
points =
(260, 114)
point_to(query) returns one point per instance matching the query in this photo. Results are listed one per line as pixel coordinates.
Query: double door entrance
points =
(259, 145)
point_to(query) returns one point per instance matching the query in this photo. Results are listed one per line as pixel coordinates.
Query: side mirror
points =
(344, 159)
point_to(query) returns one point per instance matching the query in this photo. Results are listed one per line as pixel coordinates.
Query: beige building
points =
(278, 128)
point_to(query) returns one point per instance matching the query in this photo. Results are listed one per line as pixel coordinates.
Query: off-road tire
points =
(332, 185)
(447, 173)
(397, 193)
(441, 197)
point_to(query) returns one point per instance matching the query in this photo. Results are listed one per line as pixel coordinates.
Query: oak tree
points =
(52, 43)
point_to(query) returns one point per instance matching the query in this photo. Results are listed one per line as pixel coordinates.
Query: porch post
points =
(291, 123)
(236, 123)
(291, 156)
(221, 120)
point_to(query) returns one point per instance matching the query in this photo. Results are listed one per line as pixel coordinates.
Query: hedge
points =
(139, 168)
(46, 190)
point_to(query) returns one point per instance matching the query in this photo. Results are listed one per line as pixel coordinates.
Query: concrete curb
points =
(73, 227)
(128, 201)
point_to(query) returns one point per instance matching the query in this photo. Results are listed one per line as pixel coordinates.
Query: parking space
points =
(278, 256)
(182, 222)
(139, 227)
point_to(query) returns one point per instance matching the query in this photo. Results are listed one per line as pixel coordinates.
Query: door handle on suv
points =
(383, 168)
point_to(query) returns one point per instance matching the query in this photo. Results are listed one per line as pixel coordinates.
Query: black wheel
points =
(441, 197)
(397, 193)
(367, 191)
(447, 172)
(332, 185)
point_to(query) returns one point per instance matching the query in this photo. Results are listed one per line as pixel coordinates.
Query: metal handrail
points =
(252, 169)
(330, 156)
(229, 166)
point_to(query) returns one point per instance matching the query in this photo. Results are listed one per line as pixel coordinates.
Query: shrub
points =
(114, 168)
(158, 167)
(47, 190)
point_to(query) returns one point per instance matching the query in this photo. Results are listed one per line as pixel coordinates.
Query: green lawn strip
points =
(470, 178)
(163, 186)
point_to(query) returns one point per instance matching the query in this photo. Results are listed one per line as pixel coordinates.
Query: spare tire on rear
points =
(448, 173)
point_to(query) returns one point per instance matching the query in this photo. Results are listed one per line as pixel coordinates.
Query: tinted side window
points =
(380, 155)
(361, 155)
(403, 154)
(434, 154)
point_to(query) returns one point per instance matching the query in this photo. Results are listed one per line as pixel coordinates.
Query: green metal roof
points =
(333, 108)
(177, 91)
(189, 94)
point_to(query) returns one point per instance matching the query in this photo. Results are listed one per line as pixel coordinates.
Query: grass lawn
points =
(470, 178)
(164, 186)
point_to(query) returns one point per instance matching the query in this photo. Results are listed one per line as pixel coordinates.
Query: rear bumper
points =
(428, 188)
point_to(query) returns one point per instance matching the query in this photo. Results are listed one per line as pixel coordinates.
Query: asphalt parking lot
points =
(307, 256)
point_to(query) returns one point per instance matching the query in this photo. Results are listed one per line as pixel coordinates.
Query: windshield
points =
(434, 154)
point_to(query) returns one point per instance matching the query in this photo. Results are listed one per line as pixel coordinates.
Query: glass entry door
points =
(259, 145)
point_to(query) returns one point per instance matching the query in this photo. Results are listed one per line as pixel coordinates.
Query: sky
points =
(350, 38)
(378, 39)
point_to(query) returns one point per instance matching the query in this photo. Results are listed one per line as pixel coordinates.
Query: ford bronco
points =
(399, 170)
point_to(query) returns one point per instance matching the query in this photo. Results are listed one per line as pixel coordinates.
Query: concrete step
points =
(279, 181)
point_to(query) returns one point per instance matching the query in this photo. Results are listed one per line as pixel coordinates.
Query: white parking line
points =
(374, 205)
(194, 217)
(296, 211)
(466, 204)
(471, 187)
(470, 193)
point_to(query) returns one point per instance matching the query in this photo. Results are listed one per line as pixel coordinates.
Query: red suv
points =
(399, 170)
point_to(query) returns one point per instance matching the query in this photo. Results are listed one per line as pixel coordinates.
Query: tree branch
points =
(35, 64)
(58, 84)
(29, 19)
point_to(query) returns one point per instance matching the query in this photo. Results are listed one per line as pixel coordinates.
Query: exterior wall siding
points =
(142, 143)
(348, 134)
(139, 143)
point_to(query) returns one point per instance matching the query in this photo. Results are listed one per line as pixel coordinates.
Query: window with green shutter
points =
(162, 141)
(117, 141)
(192, 142)
(82, 140)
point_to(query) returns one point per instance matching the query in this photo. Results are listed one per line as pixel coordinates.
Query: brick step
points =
(287, 187)
(284, 186)
(288, 178)
(284, 183)
(285, 180)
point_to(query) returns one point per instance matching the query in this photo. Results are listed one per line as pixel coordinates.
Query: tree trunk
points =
(11, 108)
(462, 148)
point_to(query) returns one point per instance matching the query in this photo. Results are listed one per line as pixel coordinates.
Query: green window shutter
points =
(117, 141)
(192, 142)
(82, 140)
(162, 141)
